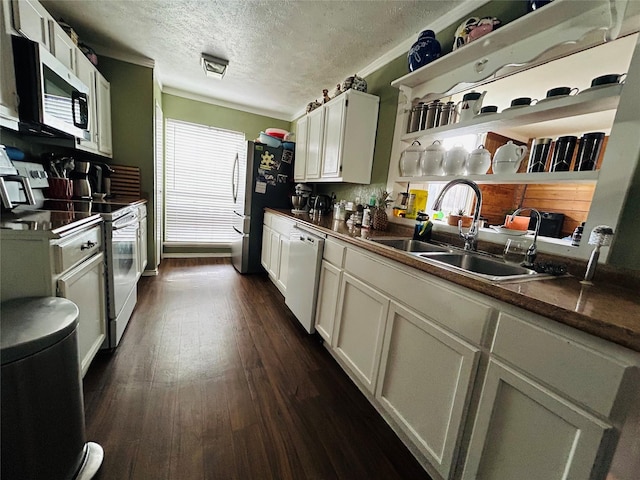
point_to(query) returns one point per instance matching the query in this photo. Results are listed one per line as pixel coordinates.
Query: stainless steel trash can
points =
(42, 413)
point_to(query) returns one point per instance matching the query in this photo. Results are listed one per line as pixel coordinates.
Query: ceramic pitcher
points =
(470, 105)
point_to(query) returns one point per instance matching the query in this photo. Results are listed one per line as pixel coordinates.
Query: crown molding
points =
(223, 103)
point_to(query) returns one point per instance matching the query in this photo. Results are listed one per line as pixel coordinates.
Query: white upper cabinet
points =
(103, 105)
(32, 20)
(62, 47)
(300, 164)
(336, 141)
(99, 109)
(315, 132)
(8, 94)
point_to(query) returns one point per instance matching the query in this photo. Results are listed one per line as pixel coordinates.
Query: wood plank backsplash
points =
(571, 199)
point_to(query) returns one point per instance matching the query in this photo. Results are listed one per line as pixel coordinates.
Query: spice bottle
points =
(577, 235)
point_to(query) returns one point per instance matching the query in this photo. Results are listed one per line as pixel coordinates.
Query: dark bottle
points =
(577, 235)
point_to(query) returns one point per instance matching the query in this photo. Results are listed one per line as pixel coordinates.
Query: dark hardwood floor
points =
(215, 379)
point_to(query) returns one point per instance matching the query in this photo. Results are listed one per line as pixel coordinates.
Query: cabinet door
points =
(62, 47)
(87, 75)
(300, 163)
(315, 131)
(283, 263)
(328, 290)
(274, 256)
(103, 93)
(85, 286)
(8, 95)
(265, 257)
(31, 19)
(142, 245)
(333, 137)
(360, 328)
(425, 381)
(523, 430)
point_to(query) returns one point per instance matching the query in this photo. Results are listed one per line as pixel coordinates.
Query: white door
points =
(85, 286)
(300, 163)
(63, 47)
(87, 75)
(315, 129)
(425, 380)
(328, 290)
(524, 430)
(335, 112)
(103, 89)
(31, 19)
(360, 328)
(274, 256)
(283, 260)
(265, 257)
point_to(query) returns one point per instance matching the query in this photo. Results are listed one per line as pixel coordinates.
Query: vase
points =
(425, 50)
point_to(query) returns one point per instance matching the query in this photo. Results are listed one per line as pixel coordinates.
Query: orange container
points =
(518, 222)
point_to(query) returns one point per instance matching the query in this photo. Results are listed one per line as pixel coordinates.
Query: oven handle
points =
(125, 222)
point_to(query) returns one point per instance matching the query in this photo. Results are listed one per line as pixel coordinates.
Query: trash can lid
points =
(31, 324)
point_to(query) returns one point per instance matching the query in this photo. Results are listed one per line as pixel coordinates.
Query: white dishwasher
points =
(305, 257)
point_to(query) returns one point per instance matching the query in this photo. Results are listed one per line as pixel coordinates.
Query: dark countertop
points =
(604, 309)
(57, 218)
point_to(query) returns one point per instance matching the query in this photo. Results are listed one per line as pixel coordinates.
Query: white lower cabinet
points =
(524, 430)
(79, 286)
(328, 290)
(424, 384)
(362, 314)
(274, 256)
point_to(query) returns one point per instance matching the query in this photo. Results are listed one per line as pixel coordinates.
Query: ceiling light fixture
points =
(213, 66)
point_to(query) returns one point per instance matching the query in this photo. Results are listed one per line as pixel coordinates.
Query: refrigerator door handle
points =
(235, 179)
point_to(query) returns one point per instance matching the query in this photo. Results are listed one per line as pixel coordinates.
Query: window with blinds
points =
(198, 167)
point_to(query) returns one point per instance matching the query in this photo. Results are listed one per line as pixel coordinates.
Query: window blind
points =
(198, 168)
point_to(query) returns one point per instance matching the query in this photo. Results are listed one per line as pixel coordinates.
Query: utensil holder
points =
(61, 188)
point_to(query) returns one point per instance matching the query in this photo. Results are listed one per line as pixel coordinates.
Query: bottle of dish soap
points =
(423, 227)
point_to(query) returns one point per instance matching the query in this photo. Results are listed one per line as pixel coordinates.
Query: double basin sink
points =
(474, 264)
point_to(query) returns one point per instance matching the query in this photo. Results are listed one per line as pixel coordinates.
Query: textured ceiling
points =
(281, 53)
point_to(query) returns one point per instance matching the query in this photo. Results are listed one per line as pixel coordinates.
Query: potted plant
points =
(453, 218)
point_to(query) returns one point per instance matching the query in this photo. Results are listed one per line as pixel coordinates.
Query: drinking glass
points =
(514, 251)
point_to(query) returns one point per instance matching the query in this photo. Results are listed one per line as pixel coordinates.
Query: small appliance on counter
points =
(300, 199)
(81, 185)
(10, 181)
(321, 204)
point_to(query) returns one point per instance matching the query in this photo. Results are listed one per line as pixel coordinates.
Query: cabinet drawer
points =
(73, 250)
(586, 375)
(448, 306)
(282, 225)
(268, 219)
(333, 252)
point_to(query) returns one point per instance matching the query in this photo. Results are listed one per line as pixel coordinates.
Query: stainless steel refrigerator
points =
(265, 180)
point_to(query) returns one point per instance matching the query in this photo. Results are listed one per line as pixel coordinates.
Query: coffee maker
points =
(300, 199)
(80, 176)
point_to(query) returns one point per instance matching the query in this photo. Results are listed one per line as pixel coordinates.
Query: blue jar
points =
(425, 50)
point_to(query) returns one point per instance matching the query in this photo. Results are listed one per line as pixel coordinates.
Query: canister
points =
(447, 114)
(416, 117)
(433, 114)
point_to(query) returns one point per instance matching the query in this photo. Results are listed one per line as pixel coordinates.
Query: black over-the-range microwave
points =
(52, 98)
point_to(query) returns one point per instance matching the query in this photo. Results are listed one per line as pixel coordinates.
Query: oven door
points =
(122, 258)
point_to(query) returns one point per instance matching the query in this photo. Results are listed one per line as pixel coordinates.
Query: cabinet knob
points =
(88, 245)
